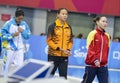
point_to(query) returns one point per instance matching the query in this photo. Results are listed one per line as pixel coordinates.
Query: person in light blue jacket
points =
(14, 33)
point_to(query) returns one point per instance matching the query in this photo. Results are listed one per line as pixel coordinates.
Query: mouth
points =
(64, 18)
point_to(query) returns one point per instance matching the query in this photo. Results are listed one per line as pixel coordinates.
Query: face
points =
(102, 23)
(63, 15)
(19, 19)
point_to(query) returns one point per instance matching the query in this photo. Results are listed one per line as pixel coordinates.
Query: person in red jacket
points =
(98, 43)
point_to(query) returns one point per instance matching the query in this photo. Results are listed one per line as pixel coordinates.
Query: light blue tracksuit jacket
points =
(9, 28)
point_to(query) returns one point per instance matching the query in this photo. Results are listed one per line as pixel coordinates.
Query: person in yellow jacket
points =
(60, 41)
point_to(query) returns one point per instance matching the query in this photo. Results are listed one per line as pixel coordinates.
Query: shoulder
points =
(69, 26)
(108, 35)
(52, 25)
(93, 32)
(7, 23)
(23, 22)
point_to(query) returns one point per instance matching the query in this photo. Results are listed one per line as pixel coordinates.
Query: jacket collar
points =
(14, 22)
(100, 31)
(58, 23)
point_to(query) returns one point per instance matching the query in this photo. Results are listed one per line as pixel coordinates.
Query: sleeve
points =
(26, 32)
(90, 39)
(5, 32)
(71, 40)
(109, 37)
(50, 38)
(90, 46)
(70, 44)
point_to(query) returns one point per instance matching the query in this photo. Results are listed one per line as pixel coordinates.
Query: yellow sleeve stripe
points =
(108, 38)
(90, 37)
(5, 44)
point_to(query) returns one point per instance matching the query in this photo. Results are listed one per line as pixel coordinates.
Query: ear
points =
(97, 23)
(57, 16)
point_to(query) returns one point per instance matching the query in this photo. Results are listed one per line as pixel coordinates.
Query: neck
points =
(62, 22)
(16, 21)
(101, 29)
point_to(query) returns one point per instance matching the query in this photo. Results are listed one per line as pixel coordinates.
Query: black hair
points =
(59, 10)
(19, 12)
(97, 18)
(117, 38)
(80, 35)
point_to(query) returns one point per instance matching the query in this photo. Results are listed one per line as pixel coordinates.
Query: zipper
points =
(62, 39)
(17, 43)
(101, 49)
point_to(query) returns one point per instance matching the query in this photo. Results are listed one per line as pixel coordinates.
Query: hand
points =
(20, 29)
(97, 63)
(66, 51)
(16, 34)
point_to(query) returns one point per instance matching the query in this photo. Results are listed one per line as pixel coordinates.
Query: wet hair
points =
(19, 12)
(59, 10)
(97, 18)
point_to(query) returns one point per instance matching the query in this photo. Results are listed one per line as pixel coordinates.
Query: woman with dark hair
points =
(14, 33)
(60, 41)
(98, 43)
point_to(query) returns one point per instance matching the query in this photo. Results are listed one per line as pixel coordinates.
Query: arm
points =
(25, 32)
(71, 39)
(50, 37)
(5, 32)
(91, 50)
(70, 44)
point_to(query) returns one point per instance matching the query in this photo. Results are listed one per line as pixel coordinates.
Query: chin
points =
(64, 20)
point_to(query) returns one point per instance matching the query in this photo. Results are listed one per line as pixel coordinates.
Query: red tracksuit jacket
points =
(98, 43)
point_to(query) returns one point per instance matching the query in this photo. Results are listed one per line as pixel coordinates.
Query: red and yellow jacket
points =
(59, 37)
(98, 43)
